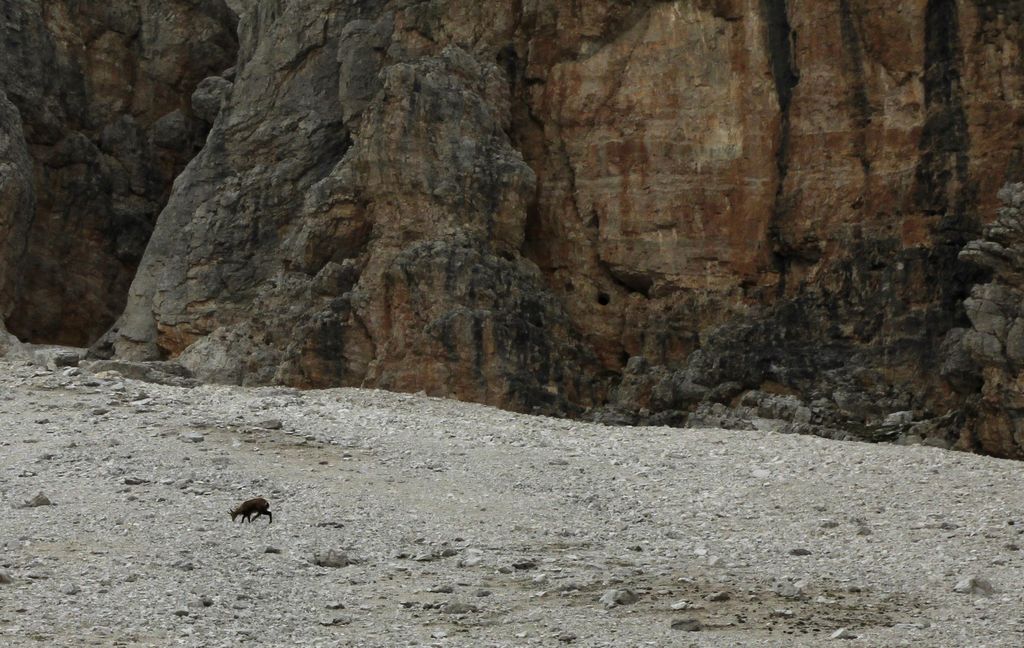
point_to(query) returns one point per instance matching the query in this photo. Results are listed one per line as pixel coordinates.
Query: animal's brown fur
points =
(256, 505)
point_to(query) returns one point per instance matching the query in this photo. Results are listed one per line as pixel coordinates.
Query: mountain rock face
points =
(991, 350)
(628, 211)
(95, 124)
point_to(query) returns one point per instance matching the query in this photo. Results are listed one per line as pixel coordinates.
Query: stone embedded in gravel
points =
(441, 589)
(523, 565)
(193, 437)
(70, 589)
(567, 637)
(135, 481)
(687, 625)
(332, 558)
(272, 550)
(5, 578)
(271, 424)
(39, 500)
(63, 359)
(719, 596)
(335, 605)
(842, 633)
(459, 607)
(974, 585)
(790, 589)
(335, 621)
(799, 551)
(614, 597)
(684, 605)
(181, 612)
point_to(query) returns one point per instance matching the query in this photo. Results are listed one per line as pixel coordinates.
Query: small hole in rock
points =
(603, 299)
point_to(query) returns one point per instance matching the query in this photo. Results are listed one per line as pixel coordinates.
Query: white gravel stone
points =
(842, 633)
(614, 597)
(974, 585)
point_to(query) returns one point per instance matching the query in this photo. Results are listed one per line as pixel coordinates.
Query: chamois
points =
(256, 505)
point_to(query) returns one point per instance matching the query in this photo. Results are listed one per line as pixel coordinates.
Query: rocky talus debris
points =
(408, 520)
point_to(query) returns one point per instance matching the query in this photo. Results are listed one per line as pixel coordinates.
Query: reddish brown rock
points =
(506, 204)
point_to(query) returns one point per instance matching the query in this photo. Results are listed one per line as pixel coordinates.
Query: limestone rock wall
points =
(379, 241)
(95, 123)
(611, 209)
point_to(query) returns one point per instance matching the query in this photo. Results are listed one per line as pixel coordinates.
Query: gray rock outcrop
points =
(991, 352)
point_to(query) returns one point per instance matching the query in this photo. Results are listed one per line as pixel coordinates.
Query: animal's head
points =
(233, 513)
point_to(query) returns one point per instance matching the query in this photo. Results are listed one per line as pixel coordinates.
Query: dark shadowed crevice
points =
(780, 44)
(943, 188)
(858, 92)
(941, 172)
(780, 50)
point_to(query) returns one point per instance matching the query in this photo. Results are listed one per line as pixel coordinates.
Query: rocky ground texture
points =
(408, 520)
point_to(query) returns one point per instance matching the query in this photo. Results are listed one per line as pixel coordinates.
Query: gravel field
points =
(451, 524)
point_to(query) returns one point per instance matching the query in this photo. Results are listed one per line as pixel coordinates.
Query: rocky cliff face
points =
(632, 209)
(991, 350)
(95, 123)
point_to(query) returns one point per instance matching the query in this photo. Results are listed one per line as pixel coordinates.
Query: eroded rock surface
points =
(95, 123)
(382, 242)
(637, 209)
(991, 350)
